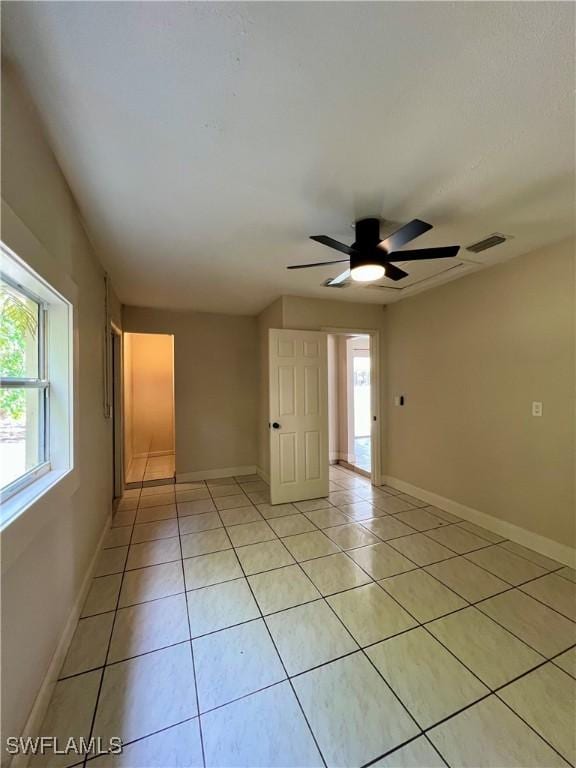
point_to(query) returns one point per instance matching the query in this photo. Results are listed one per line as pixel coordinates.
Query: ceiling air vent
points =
(329, 284)
(488, 242)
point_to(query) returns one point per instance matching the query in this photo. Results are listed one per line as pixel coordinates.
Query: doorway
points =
(353, 402)
(359, 403)
(149, 419)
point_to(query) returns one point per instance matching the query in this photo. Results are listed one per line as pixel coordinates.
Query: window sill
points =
(12, 508)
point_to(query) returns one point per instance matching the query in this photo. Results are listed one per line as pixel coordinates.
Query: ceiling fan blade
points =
(394, 273)
(424, 253)
(317, 264)
(340, 279)
(331, 243)
(408, 232)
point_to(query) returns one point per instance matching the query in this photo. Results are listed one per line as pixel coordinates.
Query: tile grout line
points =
(511, 587)
(360, 649)
(419, 623)
(492, 691)
(351, 653)
(102, 674)
(373, 580)
(417, 566)
(191, 647)
(147, 736)
(545, 661)
(280, 659)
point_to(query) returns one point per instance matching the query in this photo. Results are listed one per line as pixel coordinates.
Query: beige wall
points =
(150, 377)
(470, 357)
(215, 385)
(313, 314)
(46, 552)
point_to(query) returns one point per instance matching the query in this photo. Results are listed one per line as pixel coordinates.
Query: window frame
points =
(40, 383)
(56, 296)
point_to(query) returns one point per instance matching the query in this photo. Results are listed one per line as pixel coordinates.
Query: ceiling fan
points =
(370, 258)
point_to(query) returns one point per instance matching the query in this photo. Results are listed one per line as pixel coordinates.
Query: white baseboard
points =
(210, 474)
(260, 472)
(559, 552)
(44, 695)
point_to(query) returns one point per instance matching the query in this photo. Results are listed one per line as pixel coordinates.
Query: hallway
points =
(366, 627)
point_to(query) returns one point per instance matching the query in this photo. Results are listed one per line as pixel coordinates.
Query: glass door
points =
(362, 421)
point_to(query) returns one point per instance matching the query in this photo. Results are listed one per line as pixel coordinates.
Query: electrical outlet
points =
(536, 408)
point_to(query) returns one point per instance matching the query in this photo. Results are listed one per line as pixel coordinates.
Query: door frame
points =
(375, 392)
(117, 401)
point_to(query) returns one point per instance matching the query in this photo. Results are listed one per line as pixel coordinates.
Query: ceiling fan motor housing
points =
(367, 233)
(365, 248)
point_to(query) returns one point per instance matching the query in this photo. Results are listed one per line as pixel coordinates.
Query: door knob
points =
(275, 425)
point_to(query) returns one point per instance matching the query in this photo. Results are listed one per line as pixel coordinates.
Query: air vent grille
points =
(488, 242)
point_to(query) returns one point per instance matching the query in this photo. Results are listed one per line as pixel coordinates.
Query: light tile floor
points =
(151, 469)
(366, 628)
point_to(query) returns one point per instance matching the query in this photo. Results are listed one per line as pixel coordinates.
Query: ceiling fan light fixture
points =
(366, 273)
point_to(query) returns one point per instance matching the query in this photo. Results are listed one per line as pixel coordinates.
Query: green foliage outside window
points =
(18, 324)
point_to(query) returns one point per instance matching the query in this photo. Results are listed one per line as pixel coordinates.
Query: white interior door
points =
(298, 415)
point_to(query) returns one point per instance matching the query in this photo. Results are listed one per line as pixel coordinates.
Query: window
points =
(36, 372)
(24, 392)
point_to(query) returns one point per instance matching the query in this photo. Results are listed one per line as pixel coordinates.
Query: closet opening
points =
(149, 418)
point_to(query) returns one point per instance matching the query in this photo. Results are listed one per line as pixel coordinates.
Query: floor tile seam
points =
(424, 625)
(262, 618)
(401, 746)
(108, 646)
(512, 587)
(539, 600)
(115, 662)
(532, 728)
(509, 588)
(303, 672)
(197, 697)
(149, 735)
(361, 650)
(518, 587)
(553, 660)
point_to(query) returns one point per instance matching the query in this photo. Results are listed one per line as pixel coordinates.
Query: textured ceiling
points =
(204, 142)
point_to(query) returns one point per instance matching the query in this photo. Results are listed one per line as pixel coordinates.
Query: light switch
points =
(398, 399)
(536, 408)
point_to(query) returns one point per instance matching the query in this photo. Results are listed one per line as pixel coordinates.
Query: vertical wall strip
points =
(107, 350)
